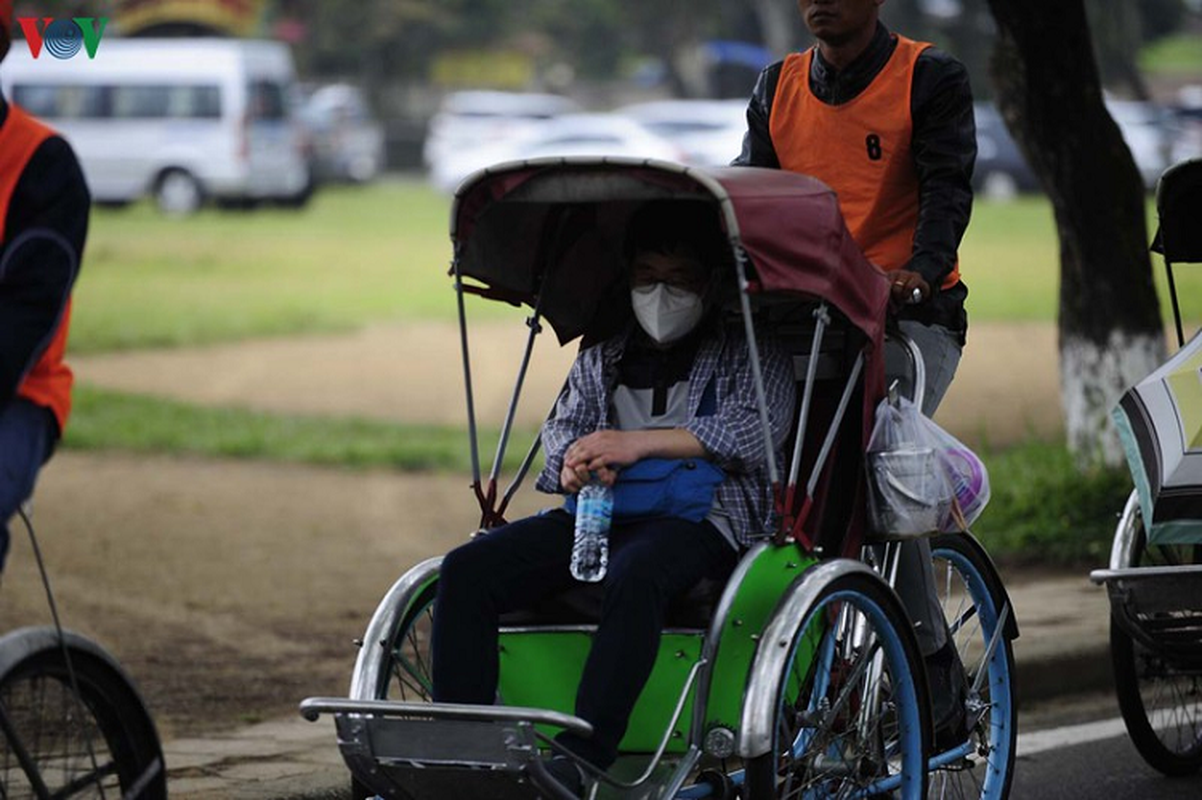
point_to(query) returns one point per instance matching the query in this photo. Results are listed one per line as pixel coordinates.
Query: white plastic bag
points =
(968, 477)
(921, 478)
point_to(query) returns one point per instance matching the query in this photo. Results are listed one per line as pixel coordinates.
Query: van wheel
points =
(178, 193)
(301, 198)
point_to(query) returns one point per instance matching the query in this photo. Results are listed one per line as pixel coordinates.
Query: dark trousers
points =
(27, 436)
(513, 567)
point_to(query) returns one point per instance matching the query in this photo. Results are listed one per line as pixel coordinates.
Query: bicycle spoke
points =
(407, 678)
(62, 743)
(410, 665)
(90, 778)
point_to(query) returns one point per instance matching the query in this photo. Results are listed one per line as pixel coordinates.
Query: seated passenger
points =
(677, 385)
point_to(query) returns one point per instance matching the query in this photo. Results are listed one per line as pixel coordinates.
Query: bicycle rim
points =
(848, 721)
(985, 764)
(1160, 696)
(410, 678)
(101, 744)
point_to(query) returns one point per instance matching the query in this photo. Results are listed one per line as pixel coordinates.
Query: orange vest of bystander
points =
(49, 382)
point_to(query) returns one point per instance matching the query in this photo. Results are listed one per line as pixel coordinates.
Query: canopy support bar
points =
(829, 442)
(757, 373)
(467, 374)
(535, 329)
(823, 317)
(1168, 269)
(535, 446)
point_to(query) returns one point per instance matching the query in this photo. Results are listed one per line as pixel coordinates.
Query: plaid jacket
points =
(732, 436)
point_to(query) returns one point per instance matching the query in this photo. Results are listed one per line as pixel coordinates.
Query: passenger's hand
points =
(908, 288)
(573, 480)
(600, 453)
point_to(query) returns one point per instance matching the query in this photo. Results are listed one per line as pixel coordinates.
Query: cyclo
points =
(801, 676)
(1156, 556)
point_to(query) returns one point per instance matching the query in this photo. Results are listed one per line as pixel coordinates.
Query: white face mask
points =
(666, 313)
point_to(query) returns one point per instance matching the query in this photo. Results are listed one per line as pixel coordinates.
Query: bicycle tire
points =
(407, 675)
(402, 652)
(819, 746)
(104, 744)
(967, 582)
(1148, 685)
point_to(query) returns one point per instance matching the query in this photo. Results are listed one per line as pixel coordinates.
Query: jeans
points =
(916, 578)
(940, 355)
(27, 436)
(650, 563)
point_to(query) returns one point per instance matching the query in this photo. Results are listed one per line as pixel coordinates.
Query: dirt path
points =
(230, 590)
(1007, 387)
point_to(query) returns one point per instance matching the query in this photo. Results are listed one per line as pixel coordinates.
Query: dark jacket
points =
(51, 195)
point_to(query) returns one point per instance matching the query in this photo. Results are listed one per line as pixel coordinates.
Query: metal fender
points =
(774, 650)
(1122, 551)
(369, 666)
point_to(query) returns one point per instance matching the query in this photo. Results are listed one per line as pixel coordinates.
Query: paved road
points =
(1070, 747)
(1071, 763)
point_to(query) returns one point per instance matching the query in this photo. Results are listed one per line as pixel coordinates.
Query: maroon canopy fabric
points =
(791, 228)
(789, 225)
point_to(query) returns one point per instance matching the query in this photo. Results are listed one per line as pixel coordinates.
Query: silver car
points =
(346, 142)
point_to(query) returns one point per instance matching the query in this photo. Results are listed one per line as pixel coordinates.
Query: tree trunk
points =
(1109, 319)
(1117, 37)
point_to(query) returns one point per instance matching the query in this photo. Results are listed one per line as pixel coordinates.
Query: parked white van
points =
(183, 120)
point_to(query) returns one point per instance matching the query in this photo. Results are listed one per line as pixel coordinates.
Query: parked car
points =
(1001, 171)
(1187, 124)
(1187, 141)
(467, 120)
(346, 143)
(709, 133)
(181, 120)
(1146, 127)
(568, 135)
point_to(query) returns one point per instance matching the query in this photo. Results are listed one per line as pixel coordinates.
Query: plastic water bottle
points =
(594, 513)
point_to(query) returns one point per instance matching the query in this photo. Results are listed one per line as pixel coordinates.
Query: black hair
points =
(666, 225)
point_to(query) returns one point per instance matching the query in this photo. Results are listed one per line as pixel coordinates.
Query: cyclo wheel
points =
(965, 577)
(1160, 698)
(99, 743)
(394, 662)
(836, 667)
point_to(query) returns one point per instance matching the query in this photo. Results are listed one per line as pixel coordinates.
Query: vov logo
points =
(63, 38)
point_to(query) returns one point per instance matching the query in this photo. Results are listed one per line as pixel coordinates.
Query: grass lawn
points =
(108, 420)
(353, 256)
(1010, 260)
(1180, 54)
(359, 255)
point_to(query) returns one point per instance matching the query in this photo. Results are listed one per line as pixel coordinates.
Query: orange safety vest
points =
(861, 149)
(48, 384)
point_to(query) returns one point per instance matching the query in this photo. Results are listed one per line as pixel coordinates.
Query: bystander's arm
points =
(44, 232)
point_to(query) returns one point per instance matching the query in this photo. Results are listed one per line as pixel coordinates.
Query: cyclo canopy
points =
(548, 234)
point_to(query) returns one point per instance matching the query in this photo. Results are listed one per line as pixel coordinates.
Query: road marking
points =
(1038, 741)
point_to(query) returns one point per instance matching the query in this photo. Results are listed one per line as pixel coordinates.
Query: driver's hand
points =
(907, 288)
